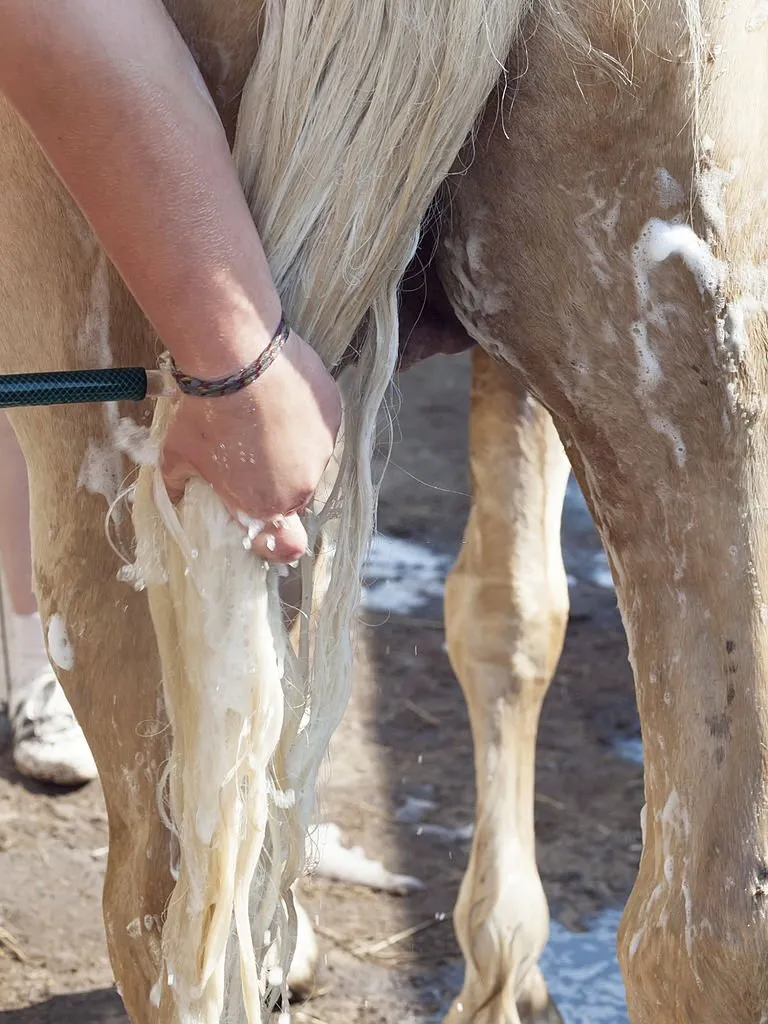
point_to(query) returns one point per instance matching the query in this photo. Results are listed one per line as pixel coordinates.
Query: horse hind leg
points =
(506, 614)
(101, 638)
(64, 307)
(631, 274)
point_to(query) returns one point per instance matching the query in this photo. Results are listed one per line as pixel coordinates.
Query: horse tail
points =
(352, 116)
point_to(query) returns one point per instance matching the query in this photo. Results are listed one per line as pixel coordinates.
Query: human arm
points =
(117, 103)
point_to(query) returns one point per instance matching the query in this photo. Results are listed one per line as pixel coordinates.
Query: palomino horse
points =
(618, 270)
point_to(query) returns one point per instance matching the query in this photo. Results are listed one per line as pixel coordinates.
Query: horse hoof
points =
(303, 972)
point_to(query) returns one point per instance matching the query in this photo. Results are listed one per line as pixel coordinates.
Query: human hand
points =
(262, 449)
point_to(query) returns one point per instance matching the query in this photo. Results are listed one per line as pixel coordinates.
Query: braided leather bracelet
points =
(220, 386)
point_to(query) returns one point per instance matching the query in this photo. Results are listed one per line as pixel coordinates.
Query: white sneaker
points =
(49, 745)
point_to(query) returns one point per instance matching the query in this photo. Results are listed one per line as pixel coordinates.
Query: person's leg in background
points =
(48, 743)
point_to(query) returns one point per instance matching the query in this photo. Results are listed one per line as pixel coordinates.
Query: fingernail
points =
(269, 542)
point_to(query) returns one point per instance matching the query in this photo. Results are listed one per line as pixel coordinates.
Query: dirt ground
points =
(405, 734)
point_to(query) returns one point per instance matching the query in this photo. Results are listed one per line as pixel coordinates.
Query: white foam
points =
(136, 441)
(648, 366)
(710, 189)
(736, 328)
(664, 426)
(101, 471)
(659, 240)
(329, 858)
(60, 649)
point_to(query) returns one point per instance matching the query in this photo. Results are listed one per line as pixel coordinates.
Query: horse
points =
(601, 240)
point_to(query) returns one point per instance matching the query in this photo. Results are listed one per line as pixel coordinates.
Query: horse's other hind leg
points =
(506, 613)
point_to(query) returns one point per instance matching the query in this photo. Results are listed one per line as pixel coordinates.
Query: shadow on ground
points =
(103, 1006)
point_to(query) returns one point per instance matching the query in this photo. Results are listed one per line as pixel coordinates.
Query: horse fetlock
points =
(505, 1002)
(501, 921)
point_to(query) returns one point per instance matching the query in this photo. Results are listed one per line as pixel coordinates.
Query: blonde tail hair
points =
(352, 116)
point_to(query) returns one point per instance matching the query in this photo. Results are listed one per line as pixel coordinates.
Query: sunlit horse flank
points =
(607, 242)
